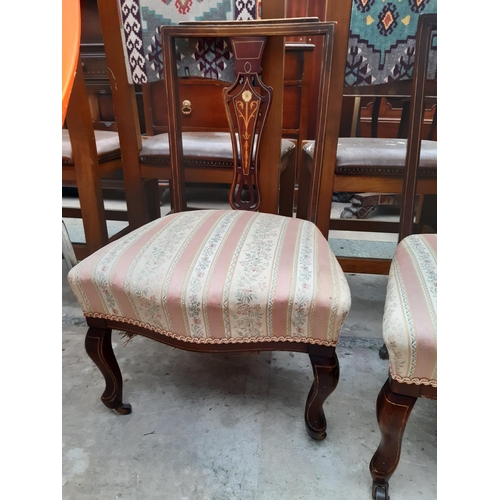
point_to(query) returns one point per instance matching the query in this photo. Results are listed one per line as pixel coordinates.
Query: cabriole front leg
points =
(99, 349)
(326, 377)
(393, 411)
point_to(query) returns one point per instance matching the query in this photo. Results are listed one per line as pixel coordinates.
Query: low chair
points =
(230, 280)
(410, 334)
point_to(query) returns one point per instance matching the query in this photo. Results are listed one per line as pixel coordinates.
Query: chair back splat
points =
(230, 280)
(247, 102)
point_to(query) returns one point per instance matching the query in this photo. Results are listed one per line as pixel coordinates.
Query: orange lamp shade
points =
(71, 29)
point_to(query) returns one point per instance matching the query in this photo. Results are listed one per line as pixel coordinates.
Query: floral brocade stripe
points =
(194, 297)
(410, 315)
(253, 277)
(219, 276)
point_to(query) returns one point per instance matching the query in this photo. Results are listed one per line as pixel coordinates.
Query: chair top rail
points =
(308, 27)
(290, 20)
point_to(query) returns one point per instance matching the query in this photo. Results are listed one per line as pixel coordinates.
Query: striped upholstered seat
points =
(217, 276)
(410, 315)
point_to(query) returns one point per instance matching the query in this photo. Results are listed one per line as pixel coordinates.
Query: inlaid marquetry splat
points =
(247, 102)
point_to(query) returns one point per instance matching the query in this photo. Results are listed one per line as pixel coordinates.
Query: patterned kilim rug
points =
(382, 40)
(381, 44)
(141, 21)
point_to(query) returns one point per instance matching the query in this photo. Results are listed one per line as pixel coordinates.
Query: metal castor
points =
(383, 354)
(124, 409)
(380, 491)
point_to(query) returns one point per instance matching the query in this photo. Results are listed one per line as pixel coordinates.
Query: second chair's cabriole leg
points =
(326, 377)
(393, 411)
(99, 349)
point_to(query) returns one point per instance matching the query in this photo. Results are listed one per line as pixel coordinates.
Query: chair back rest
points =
(254, 102)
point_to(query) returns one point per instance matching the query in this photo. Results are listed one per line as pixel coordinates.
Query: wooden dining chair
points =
(377, 165)
(410, 334)
(92, 163)
(209, 154)
(230, 280)
(87, 156)
(137, 62)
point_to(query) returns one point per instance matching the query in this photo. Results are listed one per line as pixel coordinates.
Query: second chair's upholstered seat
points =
(217, 276)
(376, 156)
(410, 314)
(107, 144)
(212, 149)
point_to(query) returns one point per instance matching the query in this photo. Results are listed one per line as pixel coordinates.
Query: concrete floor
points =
(231, 427)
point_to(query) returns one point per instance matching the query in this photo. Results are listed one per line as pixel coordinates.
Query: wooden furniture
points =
(91, 161)
(210, 161)
(383, 165)
(203, 112)
(225, 281)
(82, 167)
(410, 334)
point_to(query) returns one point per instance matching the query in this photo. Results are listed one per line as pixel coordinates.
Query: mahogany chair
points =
(92, 162)
(230, 280)
(207, 141)
(87, 156)
(377, 165)
(208, 158)
(410, 334)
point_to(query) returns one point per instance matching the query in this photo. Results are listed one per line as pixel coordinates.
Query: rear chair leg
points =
(98, 347)
(393, 411)
(326, 377)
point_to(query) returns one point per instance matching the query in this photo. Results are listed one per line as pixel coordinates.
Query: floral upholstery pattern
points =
(410, 314)
(219, 276)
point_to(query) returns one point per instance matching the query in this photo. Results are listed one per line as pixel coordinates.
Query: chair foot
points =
(99, 349)
(124, 409)
(393, 411)
(326, 377)
(383, 353)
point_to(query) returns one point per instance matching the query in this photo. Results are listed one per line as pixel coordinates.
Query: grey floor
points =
(230, 427)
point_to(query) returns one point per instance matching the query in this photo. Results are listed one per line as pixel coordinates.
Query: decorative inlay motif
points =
(247, 102)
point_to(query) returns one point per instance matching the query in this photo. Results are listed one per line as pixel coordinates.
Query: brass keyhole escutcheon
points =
(186, 107)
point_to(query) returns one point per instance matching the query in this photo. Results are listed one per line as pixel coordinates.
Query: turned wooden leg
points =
(99, 349)
(326, 377)
(393, 411)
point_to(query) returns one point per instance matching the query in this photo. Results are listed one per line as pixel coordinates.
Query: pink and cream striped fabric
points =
(410, 315)
(219, 276)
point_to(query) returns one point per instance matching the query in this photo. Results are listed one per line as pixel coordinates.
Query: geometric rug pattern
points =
(381, 39)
